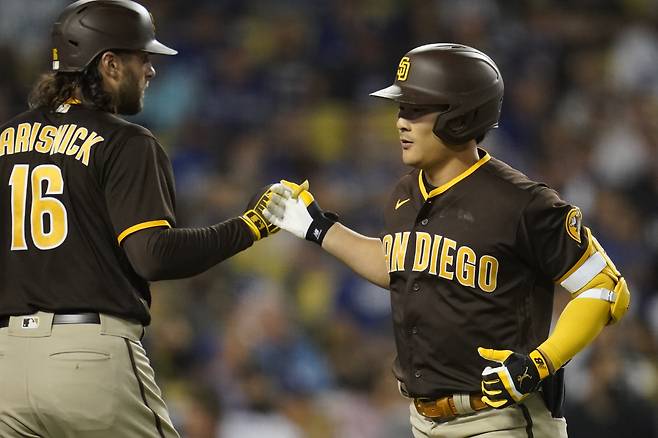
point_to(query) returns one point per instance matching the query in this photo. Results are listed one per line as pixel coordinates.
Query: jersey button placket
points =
(424, 222)
(415, 286)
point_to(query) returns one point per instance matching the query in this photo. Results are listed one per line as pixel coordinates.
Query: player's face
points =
(137, 72)
(421, 148)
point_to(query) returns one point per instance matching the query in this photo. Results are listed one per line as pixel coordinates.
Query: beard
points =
(129, 100)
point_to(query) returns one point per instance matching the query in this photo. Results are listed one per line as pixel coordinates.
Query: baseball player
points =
(471, 252)
(86, 221)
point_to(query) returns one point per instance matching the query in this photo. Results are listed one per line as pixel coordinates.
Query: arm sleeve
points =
(139, 191)
(164, 254)
(559, 244)
(579, 324)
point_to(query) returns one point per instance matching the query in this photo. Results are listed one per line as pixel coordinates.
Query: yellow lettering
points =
(436, 243)
(67, 139)
(422, 256)
(466, 266)
(52, 207)
(22, 138)
(61, 131)
(85, 149)
(46, 137)
(449, 245)
(434, 252)
(488, 273)
(387, 242)
(399, 251)
(33, 135)
(80, 133)
(7, 142)
(18, 183)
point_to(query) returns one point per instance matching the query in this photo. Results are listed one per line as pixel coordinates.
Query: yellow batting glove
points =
(514, 379)
(299, 191)
(253, 216)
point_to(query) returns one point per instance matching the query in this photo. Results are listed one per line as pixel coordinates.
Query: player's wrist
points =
(542, 362)
(251, 226)
(294, 209)
(322, 222)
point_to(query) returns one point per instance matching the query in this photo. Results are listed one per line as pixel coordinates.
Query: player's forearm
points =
(364, 255)
(579, 324)
(163, 254)
(584, 317)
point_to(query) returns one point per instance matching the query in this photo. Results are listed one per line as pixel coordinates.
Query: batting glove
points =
(294, 209)
(259, 225)
(517, 376)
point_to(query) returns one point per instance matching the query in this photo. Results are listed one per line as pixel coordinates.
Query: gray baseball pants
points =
(78, 380)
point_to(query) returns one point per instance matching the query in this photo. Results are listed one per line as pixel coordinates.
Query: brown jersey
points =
(473, 263)
(73, 185)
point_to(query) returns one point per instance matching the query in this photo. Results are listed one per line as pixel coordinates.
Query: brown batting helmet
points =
(464, 84)
(86, 28)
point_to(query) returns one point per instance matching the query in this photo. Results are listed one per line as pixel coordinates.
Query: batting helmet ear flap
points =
(451, 131)
(457, 125)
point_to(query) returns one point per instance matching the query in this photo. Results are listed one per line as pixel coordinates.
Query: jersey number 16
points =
(20, 181)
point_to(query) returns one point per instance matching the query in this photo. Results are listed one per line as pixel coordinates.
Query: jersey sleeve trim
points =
(452, 182)
(150, 224)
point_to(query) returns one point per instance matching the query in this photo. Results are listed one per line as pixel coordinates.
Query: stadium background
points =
(282, 341)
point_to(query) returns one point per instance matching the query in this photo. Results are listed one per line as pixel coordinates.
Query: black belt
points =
(64, 318)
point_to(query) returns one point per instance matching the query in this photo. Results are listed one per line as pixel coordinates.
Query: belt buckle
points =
(441, 407)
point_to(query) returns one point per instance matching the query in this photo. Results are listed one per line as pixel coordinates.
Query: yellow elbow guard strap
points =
(595, 276)
(619, 298)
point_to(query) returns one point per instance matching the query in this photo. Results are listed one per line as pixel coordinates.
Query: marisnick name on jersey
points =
(443, 257)
(70, 139)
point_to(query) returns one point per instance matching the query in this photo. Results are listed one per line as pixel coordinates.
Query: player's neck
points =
(76, 94)
(455, 163)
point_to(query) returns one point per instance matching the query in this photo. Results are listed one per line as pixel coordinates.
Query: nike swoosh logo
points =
(400, 203)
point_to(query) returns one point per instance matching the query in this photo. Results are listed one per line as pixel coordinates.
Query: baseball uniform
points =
(473, 263)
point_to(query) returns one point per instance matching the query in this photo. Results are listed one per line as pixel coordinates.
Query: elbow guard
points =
(619, 298)
(595, 276)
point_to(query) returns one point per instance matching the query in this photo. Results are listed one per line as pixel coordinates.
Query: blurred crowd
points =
(284, 342)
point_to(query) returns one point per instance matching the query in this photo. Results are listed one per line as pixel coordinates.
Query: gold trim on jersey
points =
(150, 224)
(442, 188)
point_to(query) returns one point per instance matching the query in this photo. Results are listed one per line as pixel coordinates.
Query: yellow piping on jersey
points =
(150, 224)
(452, 182)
